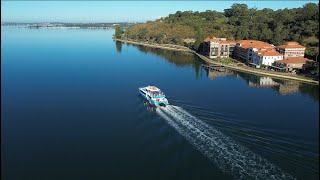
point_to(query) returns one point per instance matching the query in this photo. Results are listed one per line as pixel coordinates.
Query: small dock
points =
(219, 68)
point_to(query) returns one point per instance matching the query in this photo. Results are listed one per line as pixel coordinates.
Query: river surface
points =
(71, 110)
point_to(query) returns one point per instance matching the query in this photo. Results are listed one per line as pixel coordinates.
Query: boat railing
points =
(154, 94)
(157, 94)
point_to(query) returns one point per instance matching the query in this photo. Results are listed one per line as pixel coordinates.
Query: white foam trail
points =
(229, 156)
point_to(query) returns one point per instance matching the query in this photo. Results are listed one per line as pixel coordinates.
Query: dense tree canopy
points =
(237, 22)
(118, 32)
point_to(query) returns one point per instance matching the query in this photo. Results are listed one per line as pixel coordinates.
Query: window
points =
(143, 92)
(214, 51)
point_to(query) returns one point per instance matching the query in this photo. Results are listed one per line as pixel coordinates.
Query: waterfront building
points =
(291, 49)
(245, 49)
(293, 63)
(218, 47)
(265, 57)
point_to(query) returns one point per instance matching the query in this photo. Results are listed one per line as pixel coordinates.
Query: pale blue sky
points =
(117, 11)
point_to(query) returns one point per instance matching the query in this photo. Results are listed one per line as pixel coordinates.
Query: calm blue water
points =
(71, 110)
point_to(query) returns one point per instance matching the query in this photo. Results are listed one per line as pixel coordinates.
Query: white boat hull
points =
(155, 101)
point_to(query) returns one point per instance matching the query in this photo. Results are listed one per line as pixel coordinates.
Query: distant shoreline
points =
(57, 27)
(161, 46)
(210, 61)
(60, 25)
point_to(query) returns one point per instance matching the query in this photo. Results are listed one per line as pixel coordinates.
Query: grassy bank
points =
(277, 75)
(161, 46)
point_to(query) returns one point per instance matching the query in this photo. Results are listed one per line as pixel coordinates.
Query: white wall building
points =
(266, 58)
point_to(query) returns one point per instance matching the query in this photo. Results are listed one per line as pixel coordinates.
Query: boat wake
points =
(223, 151)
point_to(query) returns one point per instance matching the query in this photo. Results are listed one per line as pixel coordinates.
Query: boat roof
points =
(152, 88)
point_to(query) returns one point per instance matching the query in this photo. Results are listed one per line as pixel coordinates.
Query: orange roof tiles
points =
(295, 60)
(254, 44)
(210, 39)
(271, 53)
(261, 50)
(228, 42)
(291, 45)
(248, 41)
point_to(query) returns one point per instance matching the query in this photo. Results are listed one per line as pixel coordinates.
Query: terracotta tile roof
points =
(271, 53)
(271, 49)
(247, 41)
(291, 45)
(261, 50)
(227, 42)
(254, 44)
(211, 39)
(295, 60)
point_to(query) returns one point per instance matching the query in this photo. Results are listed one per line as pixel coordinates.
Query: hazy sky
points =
(117, 11)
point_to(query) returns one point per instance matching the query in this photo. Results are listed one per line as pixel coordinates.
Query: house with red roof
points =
(218, 47)
(265, 57)
(292, 63)
(291, 49)
(245, 50)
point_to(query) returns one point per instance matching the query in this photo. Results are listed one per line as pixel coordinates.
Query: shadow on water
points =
(119, 46)
(182, 59)
(283, 87)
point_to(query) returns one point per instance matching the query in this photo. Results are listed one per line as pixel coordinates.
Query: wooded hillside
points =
(237, 22)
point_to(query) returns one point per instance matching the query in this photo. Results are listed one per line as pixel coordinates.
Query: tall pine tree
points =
(118, 32)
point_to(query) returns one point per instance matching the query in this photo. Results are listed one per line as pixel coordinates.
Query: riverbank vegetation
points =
(118, 32)
(238, 22)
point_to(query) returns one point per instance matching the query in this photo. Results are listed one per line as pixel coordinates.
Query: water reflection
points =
(180, 59)
(284, 87)
(184, 59)
(312, 91)
(174, 57)
(214, 74)
(119, 46)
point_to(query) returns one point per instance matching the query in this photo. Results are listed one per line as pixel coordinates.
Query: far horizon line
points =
(86, 12)
(71, 22)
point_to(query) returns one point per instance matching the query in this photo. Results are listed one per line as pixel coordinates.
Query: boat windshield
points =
(156, 93)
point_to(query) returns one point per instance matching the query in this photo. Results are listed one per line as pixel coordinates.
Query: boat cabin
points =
(154, 91)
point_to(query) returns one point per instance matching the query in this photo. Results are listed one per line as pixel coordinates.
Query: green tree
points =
(237, 22)
(118, 32)
(312, 52)
(279, 35)
(199, 39)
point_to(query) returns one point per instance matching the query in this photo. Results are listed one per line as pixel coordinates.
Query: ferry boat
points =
(154, 95)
